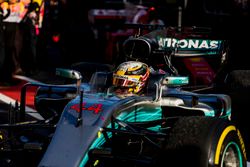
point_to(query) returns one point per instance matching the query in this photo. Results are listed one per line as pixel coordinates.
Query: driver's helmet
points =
(131, 77)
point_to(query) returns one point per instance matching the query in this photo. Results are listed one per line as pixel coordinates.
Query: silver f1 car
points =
(89, 125)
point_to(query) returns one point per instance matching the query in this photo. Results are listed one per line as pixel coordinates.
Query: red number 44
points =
(96, 108)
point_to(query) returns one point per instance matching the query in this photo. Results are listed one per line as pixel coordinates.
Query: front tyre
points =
(230, 150)
(205, 142)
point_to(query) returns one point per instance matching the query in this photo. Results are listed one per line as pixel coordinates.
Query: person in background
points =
(49, 37)
(13, 38)
(4, 13)
(29, 39)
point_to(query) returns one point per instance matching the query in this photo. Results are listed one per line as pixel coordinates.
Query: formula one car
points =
(90, 125)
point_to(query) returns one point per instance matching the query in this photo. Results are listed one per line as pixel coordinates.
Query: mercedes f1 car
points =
(89, 125)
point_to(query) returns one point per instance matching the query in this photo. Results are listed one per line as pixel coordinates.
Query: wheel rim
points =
(231, 156)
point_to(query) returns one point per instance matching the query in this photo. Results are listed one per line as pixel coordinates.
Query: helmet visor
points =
(124, 83)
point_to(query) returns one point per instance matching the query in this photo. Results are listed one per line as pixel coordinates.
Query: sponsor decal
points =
(120, 76)
(189, 44)
(242, 144)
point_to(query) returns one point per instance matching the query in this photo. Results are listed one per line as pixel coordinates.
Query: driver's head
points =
(131, 77)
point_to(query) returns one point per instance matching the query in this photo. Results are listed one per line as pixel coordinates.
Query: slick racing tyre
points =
(237, 86)
(238, 79)
(205, 142)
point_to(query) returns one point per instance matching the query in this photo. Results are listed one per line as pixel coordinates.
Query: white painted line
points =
(26, 78)
(11, 101)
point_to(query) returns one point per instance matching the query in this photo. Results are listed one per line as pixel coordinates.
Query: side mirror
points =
(67, 73)
(175, 81)
(168, 81)
(72, 74)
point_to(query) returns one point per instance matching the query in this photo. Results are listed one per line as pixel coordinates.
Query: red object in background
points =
(37, 30)
(14, 92)
(151, 9)
(56, 38)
